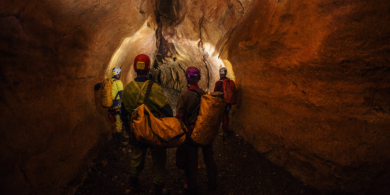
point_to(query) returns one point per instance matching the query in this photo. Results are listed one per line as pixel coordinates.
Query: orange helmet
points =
(142, 62)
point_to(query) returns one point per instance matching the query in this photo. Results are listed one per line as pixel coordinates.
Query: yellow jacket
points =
(117, 87)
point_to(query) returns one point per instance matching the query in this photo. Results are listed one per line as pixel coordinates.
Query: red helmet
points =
(142, 62)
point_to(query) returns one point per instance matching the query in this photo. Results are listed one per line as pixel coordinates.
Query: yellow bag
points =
(209, 119)
(106, 93)
(167, 132)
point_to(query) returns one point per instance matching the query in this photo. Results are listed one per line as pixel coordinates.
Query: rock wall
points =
(314, 90)
(52, 53)
(313, 81)
(195, 32)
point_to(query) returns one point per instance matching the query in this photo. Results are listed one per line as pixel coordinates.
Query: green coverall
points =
(157, 103)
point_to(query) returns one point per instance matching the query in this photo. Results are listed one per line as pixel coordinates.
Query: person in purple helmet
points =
(187, 155)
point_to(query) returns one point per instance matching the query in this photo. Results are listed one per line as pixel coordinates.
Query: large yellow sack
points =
(167, 132)
(106, 93)
(209, 119)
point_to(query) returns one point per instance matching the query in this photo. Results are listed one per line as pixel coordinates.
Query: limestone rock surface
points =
(313, 81)
(52, 53)
(196, 32)
(314, 90)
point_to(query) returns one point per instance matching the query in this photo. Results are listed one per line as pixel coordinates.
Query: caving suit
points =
(117, 89)
(158, 105)
(187, 154)
(225, 119)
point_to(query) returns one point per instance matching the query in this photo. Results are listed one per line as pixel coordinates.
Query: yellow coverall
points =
(117, 88)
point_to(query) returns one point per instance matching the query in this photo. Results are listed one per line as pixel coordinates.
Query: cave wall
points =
(141, 42)
(314, 90)
(52, 53)
(195, 32)
(313, 81)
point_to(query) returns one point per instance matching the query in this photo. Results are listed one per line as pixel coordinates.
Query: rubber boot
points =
(125, 138)
(212, 187)
(191, 192)
(133, 181)
(134, 185)
(122, 138)
(158, 189)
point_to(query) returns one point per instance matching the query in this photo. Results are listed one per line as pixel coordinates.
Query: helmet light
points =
(140, 65)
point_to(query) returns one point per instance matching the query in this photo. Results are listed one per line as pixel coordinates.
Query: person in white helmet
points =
(117, 88)
(219, 86)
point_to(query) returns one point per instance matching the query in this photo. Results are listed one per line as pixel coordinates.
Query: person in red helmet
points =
(133, 96)
(187, 155)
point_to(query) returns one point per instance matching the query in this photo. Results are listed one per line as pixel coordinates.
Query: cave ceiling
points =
(180, 34)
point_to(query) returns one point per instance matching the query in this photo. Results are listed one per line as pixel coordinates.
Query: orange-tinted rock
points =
(52, 54)
(314, 85)
(313, 81)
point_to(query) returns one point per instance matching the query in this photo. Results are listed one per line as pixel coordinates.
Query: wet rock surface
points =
(241, 170)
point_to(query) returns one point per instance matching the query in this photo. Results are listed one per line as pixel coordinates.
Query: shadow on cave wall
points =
(45, 76)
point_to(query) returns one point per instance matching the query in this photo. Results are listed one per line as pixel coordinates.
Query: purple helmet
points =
(192, 74)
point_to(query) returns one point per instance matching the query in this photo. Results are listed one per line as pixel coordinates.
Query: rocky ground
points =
(241, 170)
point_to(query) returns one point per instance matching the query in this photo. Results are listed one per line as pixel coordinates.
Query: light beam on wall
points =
(143, 41)
(189, 51)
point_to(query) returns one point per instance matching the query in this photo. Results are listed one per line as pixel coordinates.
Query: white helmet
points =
(223, 71)
(116, 71)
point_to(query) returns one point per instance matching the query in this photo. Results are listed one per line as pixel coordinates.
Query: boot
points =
(212, 187)
(158, 189)
(122, 138)
(125, 138)
(134, 185)
(133, 181)
(191, 192)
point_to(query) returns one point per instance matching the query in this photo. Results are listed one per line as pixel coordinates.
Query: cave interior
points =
(313, 81)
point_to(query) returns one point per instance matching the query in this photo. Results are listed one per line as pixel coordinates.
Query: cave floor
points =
(241, 170)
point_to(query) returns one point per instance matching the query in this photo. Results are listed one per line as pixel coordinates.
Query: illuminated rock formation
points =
(196, 32)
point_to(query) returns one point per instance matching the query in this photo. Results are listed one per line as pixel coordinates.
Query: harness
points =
(195, 109)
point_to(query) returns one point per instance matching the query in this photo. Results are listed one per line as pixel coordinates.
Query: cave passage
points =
(167, 69)
(170, 53)
(313, 83)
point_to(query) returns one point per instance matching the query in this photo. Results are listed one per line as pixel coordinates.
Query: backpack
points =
(106, 93)
(209, 119)
(167, 132)
(230, 91)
